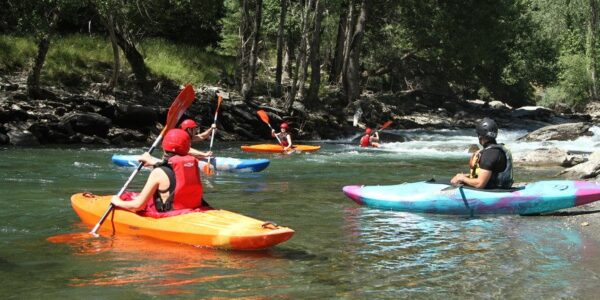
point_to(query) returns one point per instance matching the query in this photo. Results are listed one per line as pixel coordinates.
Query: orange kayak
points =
(275, 148)
(212, 228)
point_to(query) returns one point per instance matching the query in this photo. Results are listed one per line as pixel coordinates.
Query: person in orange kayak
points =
(174, 183)
(284, 137)
(191, 127)
(491, 167)
(370, 138)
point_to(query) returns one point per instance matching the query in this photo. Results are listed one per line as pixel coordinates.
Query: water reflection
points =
(429, 255)
(156, 267)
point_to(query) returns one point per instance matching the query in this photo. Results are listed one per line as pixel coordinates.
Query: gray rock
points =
(541, 157)
(560, 132)
(87, 123)
(586, 170)
(22, 138)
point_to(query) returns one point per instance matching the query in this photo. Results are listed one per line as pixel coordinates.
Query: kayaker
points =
(492, 166)
(369, 139)
(191, 127)
(173, 184)
(284, 136)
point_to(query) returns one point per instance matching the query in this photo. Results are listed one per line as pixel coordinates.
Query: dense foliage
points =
(516, 51)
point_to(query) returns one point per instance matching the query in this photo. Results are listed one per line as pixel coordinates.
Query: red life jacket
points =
(283, 139)
(365, 141)
(185, 189)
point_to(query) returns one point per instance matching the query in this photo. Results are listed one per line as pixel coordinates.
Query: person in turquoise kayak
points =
(492, 166)
(191, 127)
(370, 138)
(173, 185)
(284, 137)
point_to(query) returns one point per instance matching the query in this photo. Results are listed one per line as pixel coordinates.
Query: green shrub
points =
(573, 84)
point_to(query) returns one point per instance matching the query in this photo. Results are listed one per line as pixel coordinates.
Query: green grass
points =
(75, 59)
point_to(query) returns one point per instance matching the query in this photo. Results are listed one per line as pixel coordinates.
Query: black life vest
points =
(502, 180)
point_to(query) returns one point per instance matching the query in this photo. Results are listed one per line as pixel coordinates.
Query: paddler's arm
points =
(148, 160)
(478, 183)
(139, 202)
(199, 154)
(204, 135)
(289, 140)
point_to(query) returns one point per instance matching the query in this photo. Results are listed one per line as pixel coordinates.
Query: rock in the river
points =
(586, 170)
(560, 132)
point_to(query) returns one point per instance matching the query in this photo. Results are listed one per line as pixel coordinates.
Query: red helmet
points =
(368, 130)
(283, 125)
(176, 140)
(187, 124)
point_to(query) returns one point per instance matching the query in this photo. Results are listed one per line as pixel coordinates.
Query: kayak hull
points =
(228, 164)
(275, 148)
(425, 197)
(214, 228)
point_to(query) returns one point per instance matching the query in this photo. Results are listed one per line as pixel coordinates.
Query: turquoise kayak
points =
(222, 163)
(438, 198)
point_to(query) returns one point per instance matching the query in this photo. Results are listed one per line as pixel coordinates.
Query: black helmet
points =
(487, 128)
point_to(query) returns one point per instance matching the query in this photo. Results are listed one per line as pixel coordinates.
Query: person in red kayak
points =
(491, 167)
(174, 183)
(284, 137)
(370, 138)
(191, 127)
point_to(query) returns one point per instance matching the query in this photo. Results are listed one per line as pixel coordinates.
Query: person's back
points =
(174, 184)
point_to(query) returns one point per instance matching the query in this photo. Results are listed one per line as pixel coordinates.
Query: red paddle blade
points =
(219, 100)
(208, 170)
(386, 125)
(179, 106)
(263, 116)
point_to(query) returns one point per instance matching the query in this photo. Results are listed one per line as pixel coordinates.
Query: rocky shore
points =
(127, 119)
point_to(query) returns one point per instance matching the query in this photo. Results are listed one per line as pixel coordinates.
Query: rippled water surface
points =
(340, 250)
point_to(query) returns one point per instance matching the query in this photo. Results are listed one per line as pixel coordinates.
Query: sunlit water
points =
(340, 250)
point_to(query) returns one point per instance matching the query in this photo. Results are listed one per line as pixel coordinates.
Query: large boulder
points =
(135, 116)
(586, 170)
(550, 157)
(560, 132)
(22, 138)
(87, 123)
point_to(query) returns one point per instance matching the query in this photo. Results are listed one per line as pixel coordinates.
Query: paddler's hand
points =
(458, 179)
(213, 126)
(147, 159)
(116, 201)
(209, 153)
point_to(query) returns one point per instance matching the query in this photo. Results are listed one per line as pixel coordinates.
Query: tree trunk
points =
(33, 79)
(590, 50)
(135, 59)
(315, 57)
(347, 41)
(303, 50)
(353, 70)
(115, 47)
(251, 53)
(336, 65)
(280, 46)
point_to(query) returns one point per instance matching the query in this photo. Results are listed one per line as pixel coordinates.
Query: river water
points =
(339, 251)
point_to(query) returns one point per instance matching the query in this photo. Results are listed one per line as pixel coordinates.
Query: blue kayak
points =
(222, 163)
(431, 197)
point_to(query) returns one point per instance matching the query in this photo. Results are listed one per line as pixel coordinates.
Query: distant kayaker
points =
(370, 138)
(491, 167)
(191, 127)
(173, 184)
(283, 136)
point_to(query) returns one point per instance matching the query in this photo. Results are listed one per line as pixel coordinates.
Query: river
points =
(339, 251)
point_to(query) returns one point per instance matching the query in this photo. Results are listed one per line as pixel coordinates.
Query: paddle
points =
(207, 168)
(385, 125)
(265, 118)
(179, 106)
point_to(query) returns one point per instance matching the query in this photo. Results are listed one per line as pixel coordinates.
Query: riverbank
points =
(124, 118)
